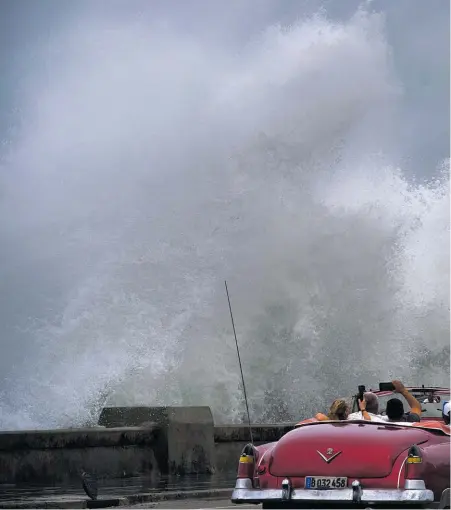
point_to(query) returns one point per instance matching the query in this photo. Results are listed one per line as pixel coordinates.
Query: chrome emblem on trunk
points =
(329, 451)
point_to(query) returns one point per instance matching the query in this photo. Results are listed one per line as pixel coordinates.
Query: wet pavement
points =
(198, 504)
(124, 491)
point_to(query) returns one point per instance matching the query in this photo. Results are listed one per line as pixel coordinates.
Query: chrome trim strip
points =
(243, 493)
(400, 471)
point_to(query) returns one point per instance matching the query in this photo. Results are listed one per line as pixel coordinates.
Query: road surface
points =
(197, 504)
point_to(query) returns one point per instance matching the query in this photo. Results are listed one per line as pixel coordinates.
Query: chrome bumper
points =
(414, 493)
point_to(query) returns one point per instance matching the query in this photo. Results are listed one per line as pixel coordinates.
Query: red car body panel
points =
(437, 466)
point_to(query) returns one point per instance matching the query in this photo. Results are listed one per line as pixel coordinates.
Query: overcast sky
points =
(418, 31)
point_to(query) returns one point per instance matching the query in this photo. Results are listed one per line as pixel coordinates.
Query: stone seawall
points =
(134, 441)
(57, 456)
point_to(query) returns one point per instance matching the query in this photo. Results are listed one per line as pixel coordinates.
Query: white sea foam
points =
(151, 167)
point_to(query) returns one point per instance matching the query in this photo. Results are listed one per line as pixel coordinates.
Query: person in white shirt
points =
(371, 406)
(445, 412)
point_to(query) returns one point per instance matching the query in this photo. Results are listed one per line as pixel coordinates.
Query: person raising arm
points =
(395, 409)
(362, 407)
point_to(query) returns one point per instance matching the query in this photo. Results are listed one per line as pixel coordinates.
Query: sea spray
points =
(151, 167)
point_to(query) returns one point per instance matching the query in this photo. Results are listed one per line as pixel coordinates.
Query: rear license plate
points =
(325, 482)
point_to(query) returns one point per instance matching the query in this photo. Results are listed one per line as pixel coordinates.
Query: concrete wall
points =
(130, 442)
(187, 434)
(58, 456)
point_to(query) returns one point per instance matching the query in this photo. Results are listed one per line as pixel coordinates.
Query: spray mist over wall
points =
(151, 167)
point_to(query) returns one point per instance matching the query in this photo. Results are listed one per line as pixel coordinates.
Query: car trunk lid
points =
(342, 449)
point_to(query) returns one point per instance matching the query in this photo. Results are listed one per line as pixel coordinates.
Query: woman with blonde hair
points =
(339, 411)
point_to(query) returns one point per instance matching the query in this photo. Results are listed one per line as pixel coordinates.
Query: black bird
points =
(89, 484)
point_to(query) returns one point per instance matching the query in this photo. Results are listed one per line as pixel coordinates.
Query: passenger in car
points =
(395, 412)
(432, 399)
(371, 407)
(445, 412)
(395, 408)
(339, 410)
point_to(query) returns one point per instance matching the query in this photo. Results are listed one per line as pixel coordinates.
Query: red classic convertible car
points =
(351, 463)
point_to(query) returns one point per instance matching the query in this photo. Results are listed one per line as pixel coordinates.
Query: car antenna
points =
(239, 361)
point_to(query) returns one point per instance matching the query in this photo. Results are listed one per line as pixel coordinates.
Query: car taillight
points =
(246, 465)
(414, 463)
(414, 456)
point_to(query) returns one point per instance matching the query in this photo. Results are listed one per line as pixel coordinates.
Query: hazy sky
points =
(418, 31)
